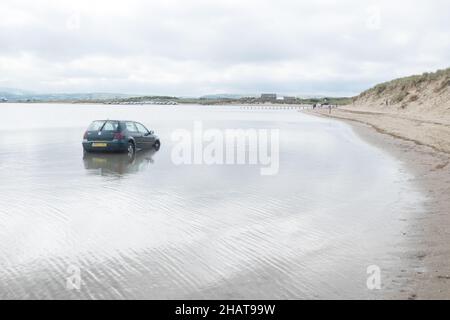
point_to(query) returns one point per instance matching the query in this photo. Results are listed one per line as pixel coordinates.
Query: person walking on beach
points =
(329, 108)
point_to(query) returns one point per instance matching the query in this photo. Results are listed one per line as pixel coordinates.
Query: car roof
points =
(116, 120)
(123, 121)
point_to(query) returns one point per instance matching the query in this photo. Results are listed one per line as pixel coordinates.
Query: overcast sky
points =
(183, 47)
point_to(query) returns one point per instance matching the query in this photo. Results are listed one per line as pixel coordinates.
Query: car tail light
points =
(118, 136)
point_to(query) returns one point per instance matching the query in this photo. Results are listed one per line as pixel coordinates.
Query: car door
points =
(134, 132)
(147, 138)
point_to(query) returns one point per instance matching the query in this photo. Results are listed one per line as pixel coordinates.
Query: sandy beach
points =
(422, 143)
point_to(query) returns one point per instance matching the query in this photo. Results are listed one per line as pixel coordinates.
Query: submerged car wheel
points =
(131, 149)
(157, 145)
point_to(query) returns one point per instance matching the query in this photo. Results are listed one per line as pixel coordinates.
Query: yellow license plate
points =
(99, 160)
(98, 144)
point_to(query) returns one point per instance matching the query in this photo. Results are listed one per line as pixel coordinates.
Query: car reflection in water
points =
(117, 164)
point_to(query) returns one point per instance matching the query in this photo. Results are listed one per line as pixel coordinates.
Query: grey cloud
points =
(175, 47)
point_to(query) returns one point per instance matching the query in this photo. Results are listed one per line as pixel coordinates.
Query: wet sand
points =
(147, 228)
(425, 272)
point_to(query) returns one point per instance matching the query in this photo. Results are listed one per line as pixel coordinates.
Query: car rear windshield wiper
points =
(101, 128)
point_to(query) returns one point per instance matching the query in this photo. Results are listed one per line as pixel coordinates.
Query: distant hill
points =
(18, 95)
(12, 94)
(81, 96)
(227, 96)
(429, 92)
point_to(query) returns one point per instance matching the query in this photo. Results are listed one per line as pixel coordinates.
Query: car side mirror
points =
(151, 132)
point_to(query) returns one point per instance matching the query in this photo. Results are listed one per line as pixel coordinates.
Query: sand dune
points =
(415, 108)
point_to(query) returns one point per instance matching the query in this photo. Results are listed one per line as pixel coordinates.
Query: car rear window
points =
(96, 125)
(110, 126)
(100, 124)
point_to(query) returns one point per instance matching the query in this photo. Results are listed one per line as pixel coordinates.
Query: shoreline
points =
(425, 272)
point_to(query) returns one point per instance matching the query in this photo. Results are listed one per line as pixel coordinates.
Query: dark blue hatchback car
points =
(119, 136)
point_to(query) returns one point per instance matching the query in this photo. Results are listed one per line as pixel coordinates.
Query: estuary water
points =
(106, 226)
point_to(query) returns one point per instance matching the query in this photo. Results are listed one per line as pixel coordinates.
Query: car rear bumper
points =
(109, 146)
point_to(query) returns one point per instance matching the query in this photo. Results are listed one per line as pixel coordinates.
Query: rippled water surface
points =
(147, 228)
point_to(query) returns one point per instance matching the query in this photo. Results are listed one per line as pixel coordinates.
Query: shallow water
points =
(147, 228)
